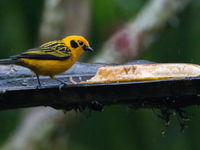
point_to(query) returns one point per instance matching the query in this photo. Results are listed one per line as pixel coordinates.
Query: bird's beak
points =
(88, 48)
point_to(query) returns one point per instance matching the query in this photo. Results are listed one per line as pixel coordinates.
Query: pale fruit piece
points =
(138, 72)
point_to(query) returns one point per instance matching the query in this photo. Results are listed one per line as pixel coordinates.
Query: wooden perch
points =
(18, 90)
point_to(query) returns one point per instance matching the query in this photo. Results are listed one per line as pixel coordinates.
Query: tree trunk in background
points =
(62, 18)
(128, 43)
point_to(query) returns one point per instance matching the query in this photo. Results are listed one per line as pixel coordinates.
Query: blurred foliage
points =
(18, 31)
(9, 120)
(109, 16)
(18, 25)
(117, 127)
(179, 41)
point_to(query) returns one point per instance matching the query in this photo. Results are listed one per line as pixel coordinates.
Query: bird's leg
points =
(60, 81)
(38, 79)
(71, 80)
(80, 78)
(64, 83)
(61, 85)
(11, 70)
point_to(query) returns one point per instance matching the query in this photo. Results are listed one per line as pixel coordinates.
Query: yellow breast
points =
(47, 67)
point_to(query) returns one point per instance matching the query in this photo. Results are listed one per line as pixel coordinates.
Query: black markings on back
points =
(48, 50)
(65, 50)
(43, 57)
(51, 44)
(55, 47)
(55, 50)
(73, 44)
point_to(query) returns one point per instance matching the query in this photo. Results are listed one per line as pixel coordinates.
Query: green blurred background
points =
(117, 127)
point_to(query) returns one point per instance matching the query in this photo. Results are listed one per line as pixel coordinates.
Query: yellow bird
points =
(51, 58)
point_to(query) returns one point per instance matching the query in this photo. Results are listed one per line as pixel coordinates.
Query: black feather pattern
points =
(42, 57)
(55, 50)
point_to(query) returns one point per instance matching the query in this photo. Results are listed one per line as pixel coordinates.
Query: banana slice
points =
(139, 72)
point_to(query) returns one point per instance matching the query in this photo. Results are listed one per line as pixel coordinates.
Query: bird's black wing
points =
(54, 50)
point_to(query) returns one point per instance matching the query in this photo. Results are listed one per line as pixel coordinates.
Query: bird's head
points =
(77, 44)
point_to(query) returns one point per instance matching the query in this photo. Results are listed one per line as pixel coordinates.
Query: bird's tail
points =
(7, 61)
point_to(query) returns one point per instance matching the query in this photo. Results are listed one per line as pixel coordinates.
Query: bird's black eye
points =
(73, 44)
(80, 42)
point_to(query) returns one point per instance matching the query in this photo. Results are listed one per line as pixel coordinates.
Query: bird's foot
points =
(60, 87)
(72, 81)
(38, 86)
(11, 70)
(62, 83)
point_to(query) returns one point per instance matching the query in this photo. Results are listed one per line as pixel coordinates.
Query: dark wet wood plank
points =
(17, 90)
